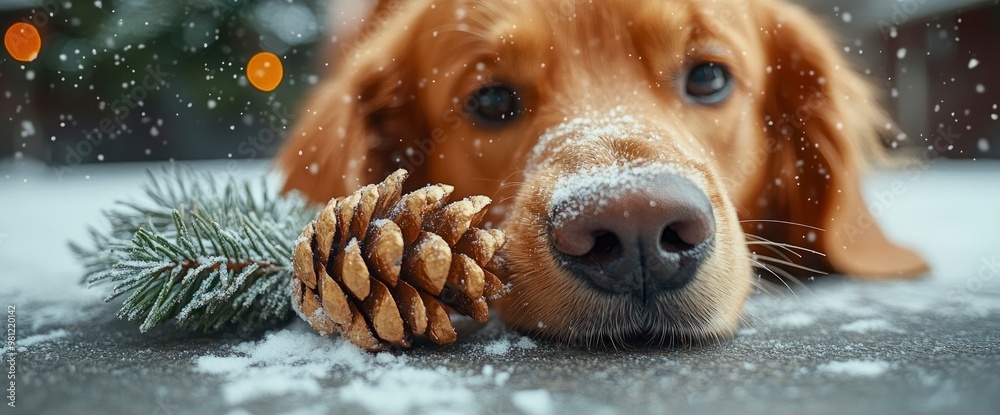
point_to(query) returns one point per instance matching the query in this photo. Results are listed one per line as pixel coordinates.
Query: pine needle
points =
(206, 255)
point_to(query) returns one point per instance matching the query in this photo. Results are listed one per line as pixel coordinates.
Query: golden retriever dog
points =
(644, 155)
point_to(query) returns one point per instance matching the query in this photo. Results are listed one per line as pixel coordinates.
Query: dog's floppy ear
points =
(353, 128)
(822, 121)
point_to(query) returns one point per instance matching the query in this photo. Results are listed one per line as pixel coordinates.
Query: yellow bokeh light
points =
(23, 42)
(264, 71)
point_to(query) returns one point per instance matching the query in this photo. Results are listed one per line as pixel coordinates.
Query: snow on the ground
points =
(533, 402)
(297, 361)
(26, 343)
(42, 338)
(793, 319)
(860, 368)
(503, 346)
(868, 325)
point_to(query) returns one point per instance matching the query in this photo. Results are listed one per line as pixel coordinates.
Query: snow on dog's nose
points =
(632, 234)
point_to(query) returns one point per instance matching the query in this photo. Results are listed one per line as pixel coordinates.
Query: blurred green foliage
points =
(96, 55)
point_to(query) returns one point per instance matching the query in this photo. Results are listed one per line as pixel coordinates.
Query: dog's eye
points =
(709, 83)
(493, 105)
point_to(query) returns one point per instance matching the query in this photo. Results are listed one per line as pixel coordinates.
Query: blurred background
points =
(139, 80)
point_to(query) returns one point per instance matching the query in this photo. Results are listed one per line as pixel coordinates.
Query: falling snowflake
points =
(984, 145)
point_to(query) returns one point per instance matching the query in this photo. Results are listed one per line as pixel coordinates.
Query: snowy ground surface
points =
(836, 346)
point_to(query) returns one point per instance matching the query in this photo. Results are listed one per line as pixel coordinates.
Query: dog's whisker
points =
(505, 185)
(775, 272)
(785, 275)
(515, 171)
(788, 246)
(773, 248)
(504, 200)
(787, 263)
(744, 321)
(750, 317)
(758, 285)
(506, 179)
(783, 222)
(766, 287)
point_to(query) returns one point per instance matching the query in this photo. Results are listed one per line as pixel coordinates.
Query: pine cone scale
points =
(476, 308)
(363, 212)
(345, 215)
(411, 307)
(412, 208)
(493, 289)
(325, 229)
(360, 333)
(390, 190)
(480, 245)
(452, 221)
(466, 276)
(381, 308)
(310, 307)
(353, 271)
(439, 327)
(334, 300)
(304, 268)
(385, 251)
(428, 263)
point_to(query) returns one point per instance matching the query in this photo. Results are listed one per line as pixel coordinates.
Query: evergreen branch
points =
(206, 255)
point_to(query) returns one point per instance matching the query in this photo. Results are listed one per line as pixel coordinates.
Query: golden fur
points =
(786, 147)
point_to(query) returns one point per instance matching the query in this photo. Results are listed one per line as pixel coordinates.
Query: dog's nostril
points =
(670, 241)
(606, 248)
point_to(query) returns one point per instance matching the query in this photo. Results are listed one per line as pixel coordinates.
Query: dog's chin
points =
(584, 317)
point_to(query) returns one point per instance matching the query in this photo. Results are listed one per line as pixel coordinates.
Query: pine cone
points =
(379, 267)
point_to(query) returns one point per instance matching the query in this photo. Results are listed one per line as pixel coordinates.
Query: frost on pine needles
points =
(208, 253)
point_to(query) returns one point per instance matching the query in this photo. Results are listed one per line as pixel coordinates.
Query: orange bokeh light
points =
(23, 42)
(264, 71)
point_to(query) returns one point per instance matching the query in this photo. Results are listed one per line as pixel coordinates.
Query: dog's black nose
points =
(640, 239)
